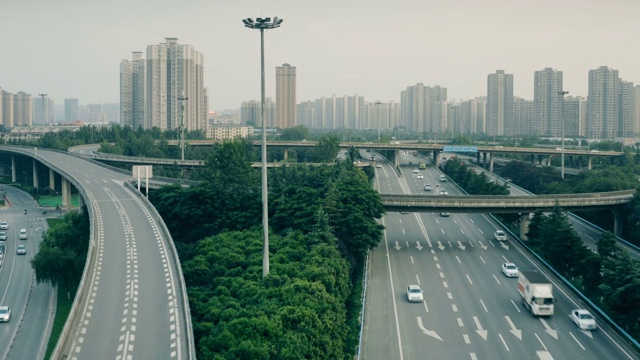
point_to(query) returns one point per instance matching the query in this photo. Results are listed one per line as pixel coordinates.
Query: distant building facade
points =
(602, 110)
(71, 112)
(43, 110)
(285, 97)
(547, 103)
(172, 72)
(423, 108)
(224, 132)
(499, 115)
(251, 112)
(575, 116)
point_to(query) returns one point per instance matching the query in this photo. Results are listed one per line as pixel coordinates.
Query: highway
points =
(135, 305)
(471, 310)
(32, 305)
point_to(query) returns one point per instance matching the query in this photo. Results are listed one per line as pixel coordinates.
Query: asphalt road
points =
(471, 310)
(134, 306)
(32, 305)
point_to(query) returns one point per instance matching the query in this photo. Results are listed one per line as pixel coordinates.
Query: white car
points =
(378, 166)
(583, 319)
(3, 235)
(23, 234)
(414, 294)
(445, 214)
(420, 176)
(444, 192)
(427, 187)
(510, 270)
(21, 250)
(415, 171)
(4, 225)
(499, 235)
(5, 313)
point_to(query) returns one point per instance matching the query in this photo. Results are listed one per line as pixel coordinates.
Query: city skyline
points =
(375, 51)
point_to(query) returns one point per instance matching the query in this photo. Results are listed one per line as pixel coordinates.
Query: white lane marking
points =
(418, 279)
(576, 340)
(460, 322)
(504, 342)
(469, 279)
(484, 306)
(411, 259)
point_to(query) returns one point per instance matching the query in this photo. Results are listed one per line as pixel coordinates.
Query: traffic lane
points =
(380, 313)
(158, 294)
(31, 341)
(100, 319)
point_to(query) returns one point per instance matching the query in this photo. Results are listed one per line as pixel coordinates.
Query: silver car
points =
(3, 235)
(5, 314)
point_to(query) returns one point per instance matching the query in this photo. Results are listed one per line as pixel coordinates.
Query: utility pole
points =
(182, 99)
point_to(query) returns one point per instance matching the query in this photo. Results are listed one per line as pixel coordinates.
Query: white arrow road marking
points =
(548, 329)
(440, 246)
(483, 333)
(407, 242)
(483, 246)
(504, 246)
(462, 247)
(397, 246)
(516, 332)
(431, 333)
(418, 246)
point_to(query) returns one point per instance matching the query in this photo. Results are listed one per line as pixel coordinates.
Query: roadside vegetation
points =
(322, 223)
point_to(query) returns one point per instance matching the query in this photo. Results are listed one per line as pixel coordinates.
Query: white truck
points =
(536, 292)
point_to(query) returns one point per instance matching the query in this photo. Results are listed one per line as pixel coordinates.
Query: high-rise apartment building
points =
(574, 114)
(7, 109)
(523, 115)
(423, 108)
(133, 91)
(43, 110)
(603, 103)
(166, 90)
(71, 110)
(251, 112)
(626, 110)
(285, 96)
(22, 109)
(547, 103)
(636, 119)
(499, 116)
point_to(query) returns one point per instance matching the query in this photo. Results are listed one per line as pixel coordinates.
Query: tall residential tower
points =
(285, 97)
(547, 103)
(499, 115)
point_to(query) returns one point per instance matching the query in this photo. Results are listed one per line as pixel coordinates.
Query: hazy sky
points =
(373, 48)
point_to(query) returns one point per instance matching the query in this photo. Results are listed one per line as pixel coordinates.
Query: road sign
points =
(449, 148)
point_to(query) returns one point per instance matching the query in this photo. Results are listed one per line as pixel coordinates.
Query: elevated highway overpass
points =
(524, 205)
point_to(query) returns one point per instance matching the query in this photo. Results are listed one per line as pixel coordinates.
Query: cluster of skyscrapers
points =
(611, 109)
(164, 90)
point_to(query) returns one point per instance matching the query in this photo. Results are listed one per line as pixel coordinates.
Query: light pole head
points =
(262, 23)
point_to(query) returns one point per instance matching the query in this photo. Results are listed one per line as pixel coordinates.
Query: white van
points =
(23, 234)
(443, 178)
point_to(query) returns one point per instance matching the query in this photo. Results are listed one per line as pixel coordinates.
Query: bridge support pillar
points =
(81, 200)
(617, 222)
(52, 179)
(286, 154)
(66, 194)
(588, 163)
(436, 158)
(533, 159)
(395, 159)
(484, 160)
(13, 168)
(478, 158)
(490, 162)
(35, 174)
(524, 225)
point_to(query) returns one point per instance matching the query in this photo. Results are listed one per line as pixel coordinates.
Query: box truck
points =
(536, 292)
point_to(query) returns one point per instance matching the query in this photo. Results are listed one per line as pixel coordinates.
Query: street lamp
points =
(182, 99)
(44, 117)
(263, 24)
(562, 94)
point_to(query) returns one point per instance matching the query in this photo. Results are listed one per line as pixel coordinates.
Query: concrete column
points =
(395, 158)
(588, 163)
(478, 158)
(81, 201)
(617, 222)
(35, 173)
(52, 179)
(286, 153)
(436, 158)
(484, 160)
(533, 159)
(490, 162)
(66, 194)
(13, 168)
(524, 226)
(539, 159)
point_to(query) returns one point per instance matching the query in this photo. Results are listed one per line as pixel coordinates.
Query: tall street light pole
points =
(263, 24)
(562, 94)
(182, 100)
(44, 116)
